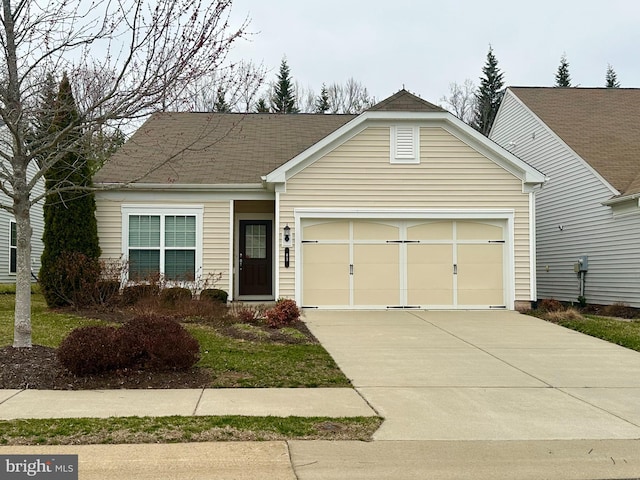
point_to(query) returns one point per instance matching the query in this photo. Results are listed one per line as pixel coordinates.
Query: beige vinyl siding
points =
(216, 233)
(451, 175)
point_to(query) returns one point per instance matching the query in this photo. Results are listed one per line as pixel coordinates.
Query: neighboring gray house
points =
(8, 247)
(587, 141)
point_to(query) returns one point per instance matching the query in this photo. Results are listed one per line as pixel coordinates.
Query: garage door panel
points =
(436, 230)
(480, 274)
(376, 276)
(430, 274)
(325, 274)
(334, 230)
(375, 231)
(466, 230)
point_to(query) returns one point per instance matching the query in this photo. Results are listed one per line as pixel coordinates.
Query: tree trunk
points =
(22, 323)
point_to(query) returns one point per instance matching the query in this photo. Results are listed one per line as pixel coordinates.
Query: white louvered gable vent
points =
(405, 144)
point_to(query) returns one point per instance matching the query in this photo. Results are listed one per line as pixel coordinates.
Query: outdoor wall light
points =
(287, 234)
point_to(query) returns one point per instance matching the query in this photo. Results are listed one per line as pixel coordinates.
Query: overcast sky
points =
(425, 45)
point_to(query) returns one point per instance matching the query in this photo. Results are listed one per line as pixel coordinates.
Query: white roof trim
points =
(181, 186)
(489, 148)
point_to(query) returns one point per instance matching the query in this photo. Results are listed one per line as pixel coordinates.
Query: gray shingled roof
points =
(599, 124)
(227, 148)
(214, 148)
(404, 101)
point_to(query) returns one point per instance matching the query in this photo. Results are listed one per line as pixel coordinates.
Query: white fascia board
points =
(618, 200)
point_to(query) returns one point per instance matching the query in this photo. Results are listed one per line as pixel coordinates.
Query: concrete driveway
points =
(483, 375)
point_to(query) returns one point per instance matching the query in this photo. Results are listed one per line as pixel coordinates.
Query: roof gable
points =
(403, 101)
(599, 124)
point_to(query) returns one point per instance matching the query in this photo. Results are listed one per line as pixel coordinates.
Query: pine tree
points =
(322, 102)
(44, 117)
(221, 104)
(611, 79)
(262, 107)
(69, 209)
(489, 95)
(284, 99)
(563, 79)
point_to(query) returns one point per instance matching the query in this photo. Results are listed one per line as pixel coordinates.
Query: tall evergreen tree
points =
(262, 107)
(563, 79)
(611, 79)
(221, 104)
(69, 215)
(322, 102)
(489, 95)
(284, 99)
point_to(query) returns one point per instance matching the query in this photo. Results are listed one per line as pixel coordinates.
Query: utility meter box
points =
(582, 265)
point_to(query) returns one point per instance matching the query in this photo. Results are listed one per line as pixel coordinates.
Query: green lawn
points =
(47, 328)
(620, 332)
(123, 430)
(233, 362)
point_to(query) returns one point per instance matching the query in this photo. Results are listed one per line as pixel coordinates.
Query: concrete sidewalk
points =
(283, 402)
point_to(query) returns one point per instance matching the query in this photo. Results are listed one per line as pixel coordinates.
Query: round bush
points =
(133, 293)
(214, 294)
(174, 295)
(165, 344)
(88, 350)
(285, 312)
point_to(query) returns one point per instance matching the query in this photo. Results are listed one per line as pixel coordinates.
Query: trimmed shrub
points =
(214, 294)
(133, 293)
(165, 344)
(70, 280)
(88, 350)
(174, 295)
(284, 313)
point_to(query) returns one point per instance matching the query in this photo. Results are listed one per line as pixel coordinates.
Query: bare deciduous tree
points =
(350, 97)
(149, 53)
(461, 100)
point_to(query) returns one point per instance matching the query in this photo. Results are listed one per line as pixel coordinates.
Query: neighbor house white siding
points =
(37, 224)
(571, 220)
(450, 175)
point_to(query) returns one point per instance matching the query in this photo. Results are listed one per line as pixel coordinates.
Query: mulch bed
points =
(38, 368)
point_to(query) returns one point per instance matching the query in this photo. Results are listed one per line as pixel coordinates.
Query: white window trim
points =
(404, 158)
(163, 211)
(13, 247)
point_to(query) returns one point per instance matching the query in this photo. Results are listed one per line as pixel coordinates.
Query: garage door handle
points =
(350, 269)
(455, 269)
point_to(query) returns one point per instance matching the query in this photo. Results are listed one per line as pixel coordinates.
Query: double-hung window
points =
(13, 247)
(163, 241)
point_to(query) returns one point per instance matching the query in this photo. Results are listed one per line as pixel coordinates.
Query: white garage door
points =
(403, 264)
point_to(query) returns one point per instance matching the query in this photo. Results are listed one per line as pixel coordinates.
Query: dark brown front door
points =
(255, 262)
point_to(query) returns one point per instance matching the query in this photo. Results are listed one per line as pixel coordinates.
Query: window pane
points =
(14, 235)
(13, 261)
(180, 231)
(180, 264)
(256, 241)
(144, 230)
(13, 251)
(143, 264)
